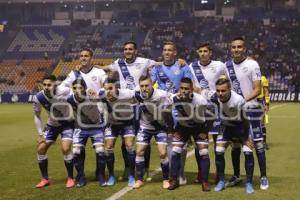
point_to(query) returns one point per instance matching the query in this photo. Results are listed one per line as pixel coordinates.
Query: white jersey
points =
(190, 114)
(211, 72)
(231, 112)
(94, 79)
(152, 113)
(58, 108)
(247, 72)
(87, 113)
(122, 108)
(135, 69)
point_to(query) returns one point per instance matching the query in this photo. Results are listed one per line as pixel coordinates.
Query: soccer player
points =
(205, 74)
(91, 74)
(89, 124)
(120, 111)
(245, 76)
(168, 76)
(51, 99)
(264, 99)
(234, 128)
(190, 110)
(151, 102)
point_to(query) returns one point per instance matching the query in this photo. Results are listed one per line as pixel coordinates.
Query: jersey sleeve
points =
(37, 109)
(102, 76)
(69, 80)
(255, 72)
(114, 66)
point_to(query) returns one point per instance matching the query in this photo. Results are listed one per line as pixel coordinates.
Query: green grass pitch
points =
(19, 171)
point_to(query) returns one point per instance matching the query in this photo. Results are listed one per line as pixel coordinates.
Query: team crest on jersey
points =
(138, 66)
(236, 85)
(177, 72)
(203, 83)
(94, 78)
(213, 70)
(245, 69)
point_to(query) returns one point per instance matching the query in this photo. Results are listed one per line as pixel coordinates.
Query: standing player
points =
(89, 123)
(51, 99)
(119, 106)
(264, 99)
(168, 76)
(190, 121)
(245, 76)
(234, 128)
(91, 74)
(151, 102)
(205, 74)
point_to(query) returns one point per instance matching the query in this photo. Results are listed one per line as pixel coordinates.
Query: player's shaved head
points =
(187, 81)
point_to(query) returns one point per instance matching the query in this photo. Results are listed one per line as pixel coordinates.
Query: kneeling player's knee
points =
(163, 155)
(66, 150)
(259, 146)
(220, 150)
(246, 149)
(203, 152)
(42, 149)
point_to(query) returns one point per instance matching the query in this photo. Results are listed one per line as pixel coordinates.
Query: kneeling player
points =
(51, 99)
(151, 103)
(188, 113)
(89, 123)
(234, 128)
